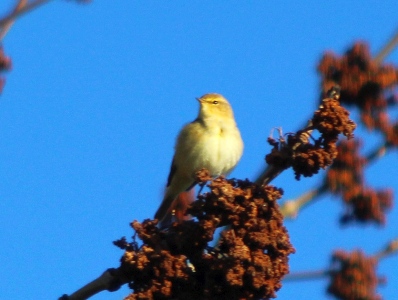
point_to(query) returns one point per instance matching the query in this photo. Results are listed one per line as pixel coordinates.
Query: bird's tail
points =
(177, 210)
(163, 209)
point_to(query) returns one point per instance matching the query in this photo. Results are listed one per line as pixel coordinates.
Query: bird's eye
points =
(215, 102)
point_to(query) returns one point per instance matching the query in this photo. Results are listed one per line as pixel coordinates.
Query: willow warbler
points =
(211, 141)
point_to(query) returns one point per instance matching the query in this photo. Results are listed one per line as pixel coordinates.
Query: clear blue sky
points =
(97, 94)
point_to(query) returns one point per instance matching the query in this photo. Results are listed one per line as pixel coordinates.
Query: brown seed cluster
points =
(353, 276)
(178, 263)
(5, 65)
(345, 177)
(365, 84)
(305, 154)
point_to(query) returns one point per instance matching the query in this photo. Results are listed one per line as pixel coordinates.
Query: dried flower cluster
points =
(364, 84)
(5, 65)
(353, 276)
(248, 263)
(345, 177)
(305, 154)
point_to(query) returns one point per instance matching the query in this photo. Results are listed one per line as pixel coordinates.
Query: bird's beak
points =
(199, 100)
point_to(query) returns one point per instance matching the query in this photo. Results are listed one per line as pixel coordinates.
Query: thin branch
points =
(390, 249)
(3, 30)
(111, 280)
(269, 173)
(17, 13)
(291, 208)
(386, 50)
(378, 152)
(308, 275)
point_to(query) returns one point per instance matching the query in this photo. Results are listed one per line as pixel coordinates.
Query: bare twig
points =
(110, 280)
(3, 30)
(19, 12)
(390, 249)
(378, 152)
(269, 173)
(291, 208)
(386, 50)
(307, 275)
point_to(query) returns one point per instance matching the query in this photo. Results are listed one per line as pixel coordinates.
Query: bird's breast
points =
(221, 148)
(216, 146)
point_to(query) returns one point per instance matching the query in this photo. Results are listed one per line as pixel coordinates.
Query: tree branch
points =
(111, 280)
(19, 12)
(383, 53)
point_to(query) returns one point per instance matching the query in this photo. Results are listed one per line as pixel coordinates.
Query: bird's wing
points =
(173, 170)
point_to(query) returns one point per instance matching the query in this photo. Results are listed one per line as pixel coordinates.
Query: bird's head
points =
(215, 106)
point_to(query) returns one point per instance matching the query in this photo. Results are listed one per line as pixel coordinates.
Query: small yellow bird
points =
(212, 141)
